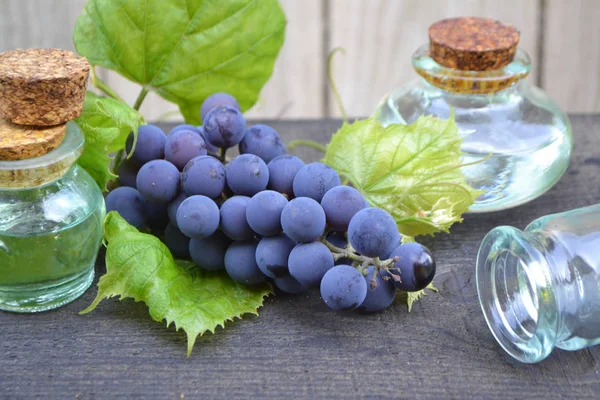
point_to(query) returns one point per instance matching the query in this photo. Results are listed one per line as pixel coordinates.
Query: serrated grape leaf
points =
(411, 171)
(409, 298)
(185, 50)
(140, 266)
(105, 123)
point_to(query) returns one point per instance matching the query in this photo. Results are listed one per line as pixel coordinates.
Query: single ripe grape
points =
(158, 216)
(247, 174)
(240, 263)
(380, 292)
(174, 205)
(198, 129)
(373, 232)
(288, 284)
(263, 141)
(129, 203)
(343, 288)
(182, 146)
(338, 240)
(272, 255)
(303, 219)
(150, 144)
(224, 127)
(282, 171)
(127, 172)
(233, 218)
(263, 212)
(215, 100)
(308, 262)
(340, 203)
(209, 253)
(314, 180)
(182, 127)
(416, 267)
(158, 181)
(177, 242)
(198, 217)
(203, 175)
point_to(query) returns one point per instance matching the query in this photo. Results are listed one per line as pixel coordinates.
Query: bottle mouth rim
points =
(515, 294)
(471, 82)
(37, 171)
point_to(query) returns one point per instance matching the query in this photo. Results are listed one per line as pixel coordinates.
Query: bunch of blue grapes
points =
(264, 215)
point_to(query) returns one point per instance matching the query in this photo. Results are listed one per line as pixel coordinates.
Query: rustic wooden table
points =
(298, 348)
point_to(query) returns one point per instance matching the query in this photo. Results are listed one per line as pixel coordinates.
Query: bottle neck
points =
(517, 293)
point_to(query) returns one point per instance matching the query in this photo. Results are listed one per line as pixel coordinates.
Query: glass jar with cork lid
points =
(51, 210)
(517, 142)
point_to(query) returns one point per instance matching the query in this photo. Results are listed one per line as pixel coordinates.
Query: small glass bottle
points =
(51, 214)
(540, 288)
(517, 142)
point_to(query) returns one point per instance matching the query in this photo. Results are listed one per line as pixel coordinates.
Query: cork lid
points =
(19, 142)
(473, 43)
(42, 87)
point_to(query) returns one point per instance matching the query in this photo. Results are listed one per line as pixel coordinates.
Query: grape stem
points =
(102, 86)
(349, 252)
(307, 143)
(222, 154)
(140, 99)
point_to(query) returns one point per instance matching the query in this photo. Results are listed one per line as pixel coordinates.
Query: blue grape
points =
(303, 219)
(373, 232)
(209, 253)
(380, 293)
(198, 217)
(288, 284)
(158, 216)
(314, 180)
(247, 174)
(263, 141)
(240, 263)
(199, 130)
(158, 181)
(343, 288)
(150, 144)
(127, 172)
(129, 203)
(338, 240)
(272, 255)
(203, 175)
(216, 100)
(174, 205)
(177, 242)
(340, 203)
(263, 212)
(233, 218)
(183, 127)
(416, 267)
(209, 146)
(308, 262)
(282, 171)
(182, 146)
(224, 126)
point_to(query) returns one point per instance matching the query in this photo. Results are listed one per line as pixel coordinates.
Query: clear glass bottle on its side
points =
(51, 214)
(517, 142)
(540, 288)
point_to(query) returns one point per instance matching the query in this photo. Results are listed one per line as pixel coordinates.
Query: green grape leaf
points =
(140, 266)
(185, 50)
(105, 123)
(411, 171)
(409, 298)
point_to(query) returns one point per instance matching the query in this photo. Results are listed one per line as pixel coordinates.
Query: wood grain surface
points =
(298, 348)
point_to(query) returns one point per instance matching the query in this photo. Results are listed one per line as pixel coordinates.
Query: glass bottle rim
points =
(37, 171)
(515, 293)
(470, 82)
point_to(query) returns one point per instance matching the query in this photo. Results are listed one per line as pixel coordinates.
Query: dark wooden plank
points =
(297, 347)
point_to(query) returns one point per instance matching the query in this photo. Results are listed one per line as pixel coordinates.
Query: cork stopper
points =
(472, 43)
(42, 87)
(19, 142)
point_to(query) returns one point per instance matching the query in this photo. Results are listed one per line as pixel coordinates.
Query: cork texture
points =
(42, 87)
(472, 43)
(18, 142)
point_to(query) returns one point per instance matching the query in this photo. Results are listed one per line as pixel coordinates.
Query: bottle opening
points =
(516, 295)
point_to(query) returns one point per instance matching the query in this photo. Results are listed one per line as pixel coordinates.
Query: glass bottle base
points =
(45, 296)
